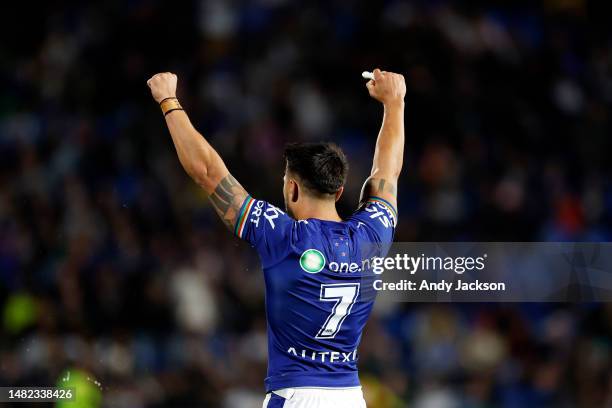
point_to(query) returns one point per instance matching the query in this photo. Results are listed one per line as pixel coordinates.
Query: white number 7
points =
(345, 295)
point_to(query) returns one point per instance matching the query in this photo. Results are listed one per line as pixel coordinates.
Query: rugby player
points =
(310, 256)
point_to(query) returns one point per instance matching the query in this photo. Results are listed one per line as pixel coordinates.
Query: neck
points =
(319, 209)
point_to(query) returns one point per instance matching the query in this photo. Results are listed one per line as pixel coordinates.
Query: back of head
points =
(320, 167)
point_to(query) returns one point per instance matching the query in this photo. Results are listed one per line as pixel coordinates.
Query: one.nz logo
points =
(312, 261)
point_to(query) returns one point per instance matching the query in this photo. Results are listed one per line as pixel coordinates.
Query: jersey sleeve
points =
(265, 227)
(378, 218)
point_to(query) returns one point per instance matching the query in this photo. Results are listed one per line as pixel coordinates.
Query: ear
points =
(294, 191)
(339, 193)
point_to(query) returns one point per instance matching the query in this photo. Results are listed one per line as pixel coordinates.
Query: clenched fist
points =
(163, 86)
(387, 87)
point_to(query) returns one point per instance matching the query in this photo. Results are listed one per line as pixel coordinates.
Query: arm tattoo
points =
(374, 187)
(377, 186)
(227, 199)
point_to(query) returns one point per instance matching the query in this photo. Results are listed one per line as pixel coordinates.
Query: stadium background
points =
(114, 267)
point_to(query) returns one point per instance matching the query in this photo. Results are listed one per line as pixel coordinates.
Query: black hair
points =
(321, 167)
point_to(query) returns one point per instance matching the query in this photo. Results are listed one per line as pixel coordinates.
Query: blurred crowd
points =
(114, 267)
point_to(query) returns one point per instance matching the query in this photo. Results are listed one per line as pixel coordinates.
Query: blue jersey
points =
(315, 308)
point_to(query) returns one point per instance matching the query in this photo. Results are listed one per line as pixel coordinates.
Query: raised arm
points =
(389, 89)
(198, 158)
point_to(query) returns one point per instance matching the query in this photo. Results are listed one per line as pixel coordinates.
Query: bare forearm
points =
(206, 167)
(390, 89)
(389, 153)
(196, 155)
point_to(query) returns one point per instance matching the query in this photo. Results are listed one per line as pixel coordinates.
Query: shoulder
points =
(375, 208)
(261, 215)
(375, 220)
